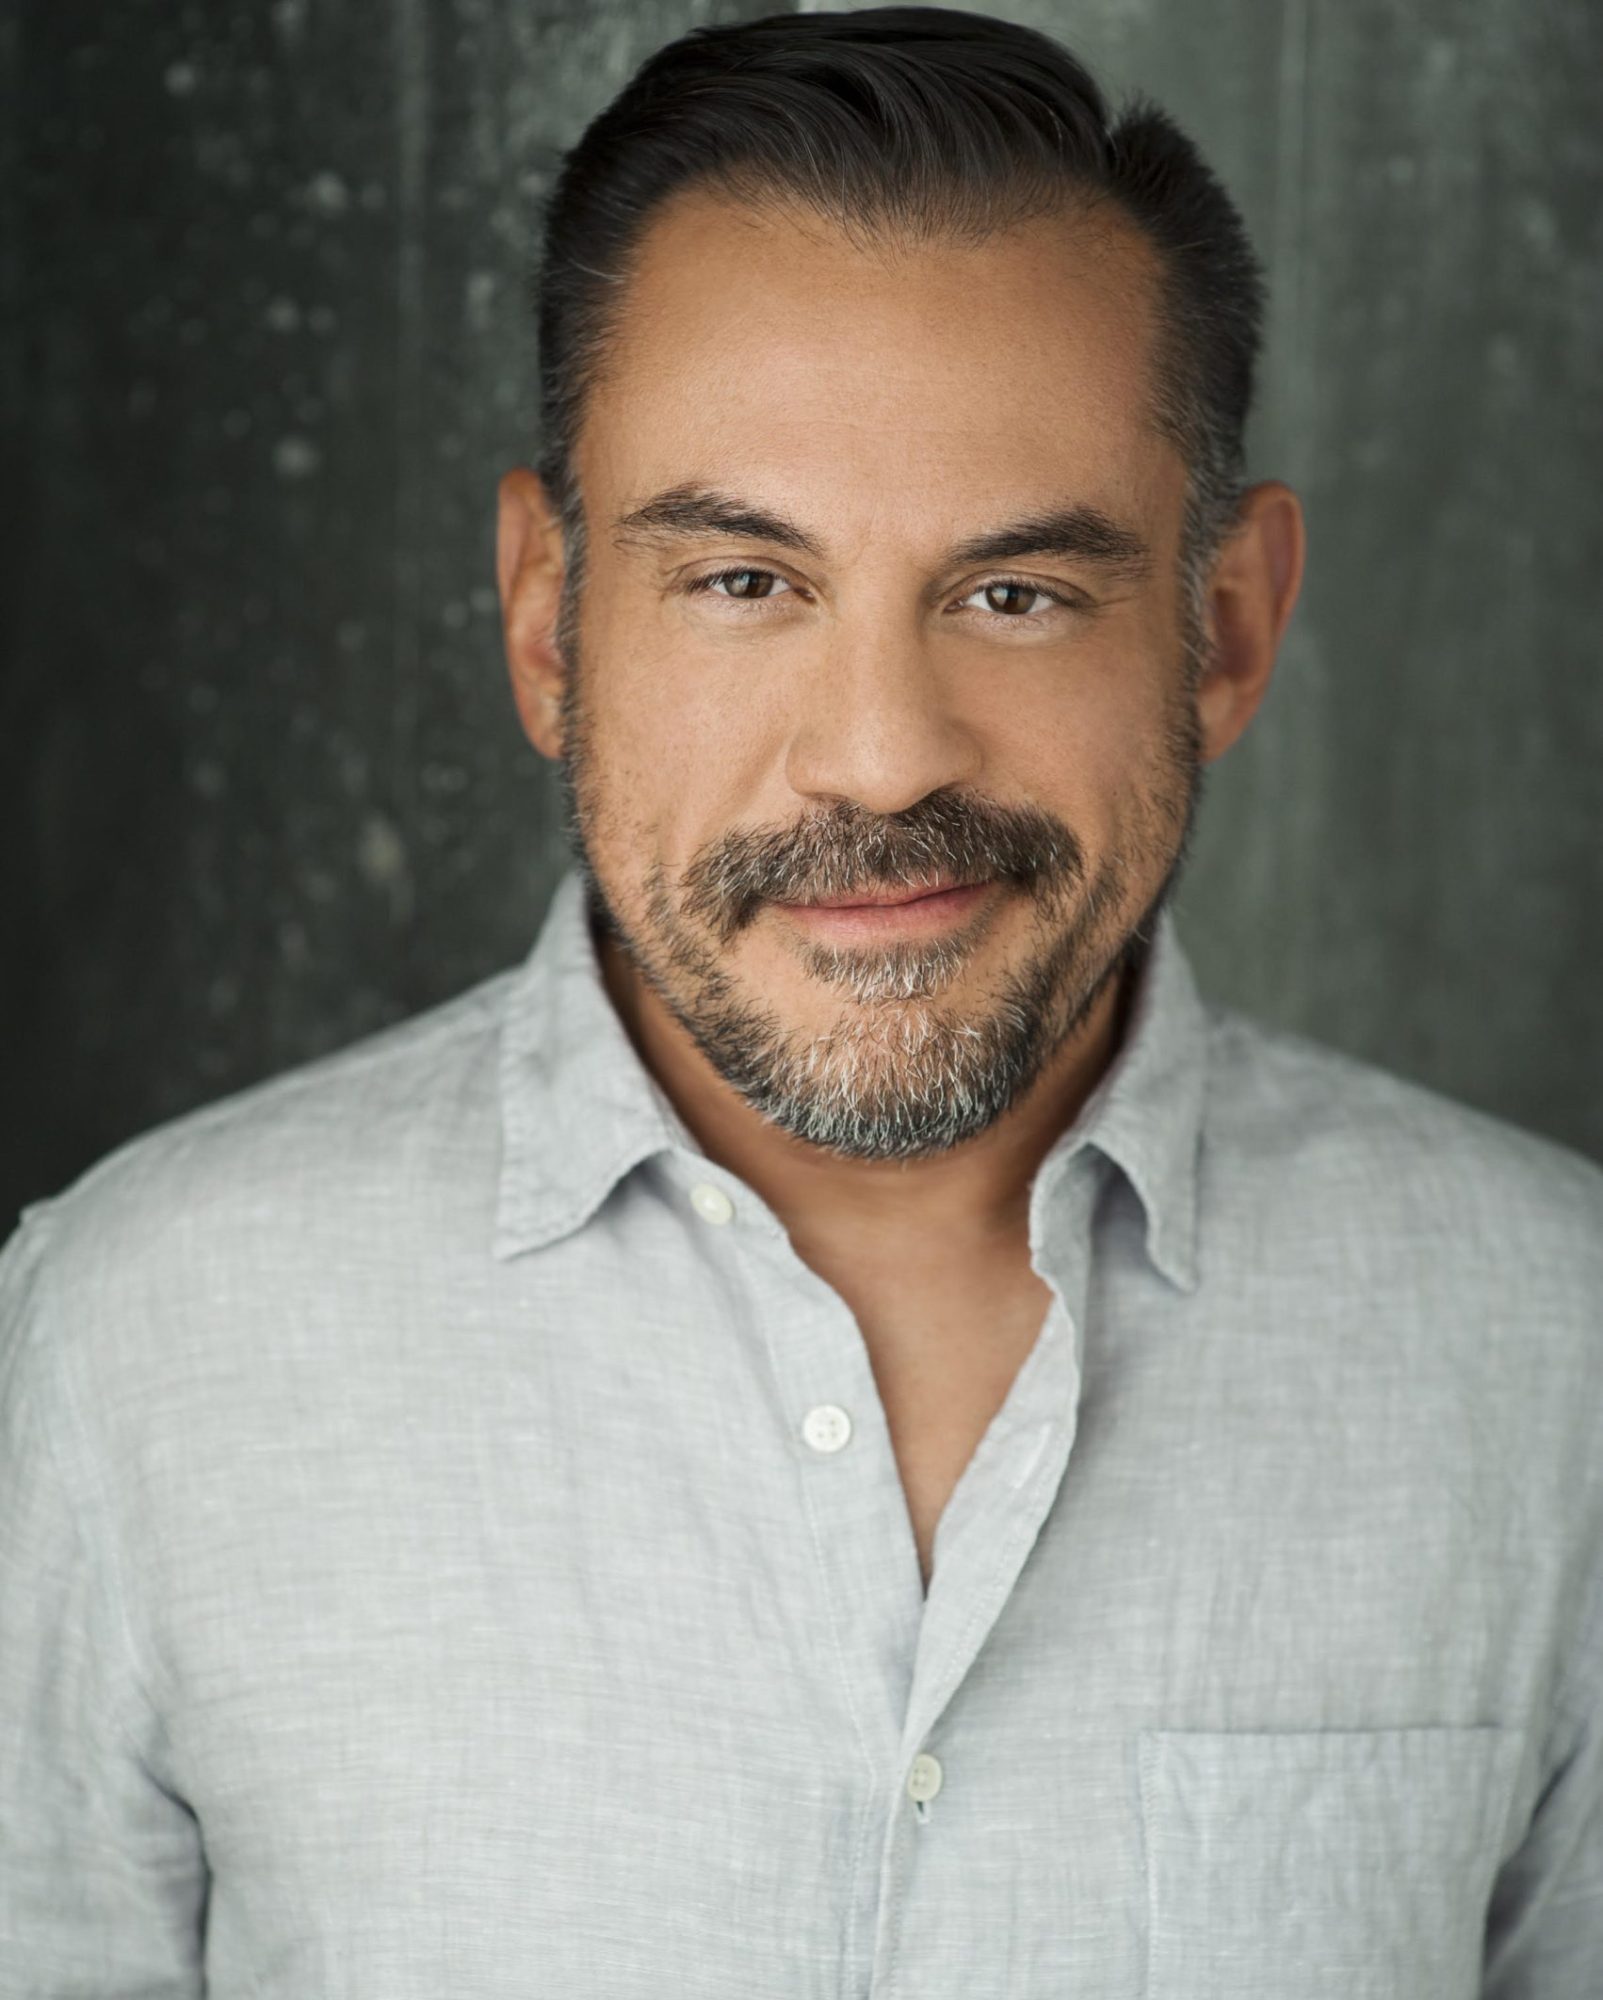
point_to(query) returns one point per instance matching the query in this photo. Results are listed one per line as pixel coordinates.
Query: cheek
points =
(1092, 747)
(681, 748)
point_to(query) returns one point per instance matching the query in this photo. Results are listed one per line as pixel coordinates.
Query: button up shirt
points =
(451, 1545)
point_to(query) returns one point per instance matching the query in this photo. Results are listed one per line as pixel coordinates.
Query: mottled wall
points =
(265, 351)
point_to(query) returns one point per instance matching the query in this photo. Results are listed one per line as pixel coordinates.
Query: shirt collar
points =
(579, 1109)
(1145, 1113)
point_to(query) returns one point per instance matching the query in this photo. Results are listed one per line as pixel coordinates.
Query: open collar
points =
(579, 1109)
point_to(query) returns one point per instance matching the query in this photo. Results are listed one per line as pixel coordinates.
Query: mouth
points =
(864, 915)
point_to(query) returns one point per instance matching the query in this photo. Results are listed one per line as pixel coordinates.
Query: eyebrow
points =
(1082, 533)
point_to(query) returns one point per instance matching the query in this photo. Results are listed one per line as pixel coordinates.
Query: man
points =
(838, 1431)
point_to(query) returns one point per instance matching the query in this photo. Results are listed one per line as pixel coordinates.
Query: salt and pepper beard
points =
(897, 1075)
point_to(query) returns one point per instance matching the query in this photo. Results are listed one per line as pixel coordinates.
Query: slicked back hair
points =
(912, 123)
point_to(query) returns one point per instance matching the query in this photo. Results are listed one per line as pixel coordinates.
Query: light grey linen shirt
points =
(451, 1549)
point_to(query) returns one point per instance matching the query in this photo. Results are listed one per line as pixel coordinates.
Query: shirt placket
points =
(903, 1656)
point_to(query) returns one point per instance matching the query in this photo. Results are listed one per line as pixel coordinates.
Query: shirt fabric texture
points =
(447, 1554)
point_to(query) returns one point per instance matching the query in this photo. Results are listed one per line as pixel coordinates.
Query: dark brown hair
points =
(920, 121)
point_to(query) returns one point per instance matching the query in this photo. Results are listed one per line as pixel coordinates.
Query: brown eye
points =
(1015, 594)
(741, 583)
(1010, 599)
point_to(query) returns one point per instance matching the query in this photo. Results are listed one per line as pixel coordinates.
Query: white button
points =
(924, 1780)
(827, 1428)
(711, 1203)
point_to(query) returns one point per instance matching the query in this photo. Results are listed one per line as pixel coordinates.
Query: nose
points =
(876, 722)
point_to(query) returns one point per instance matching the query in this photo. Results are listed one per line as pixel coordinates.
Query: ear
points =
(1250, 594)
(529, 570)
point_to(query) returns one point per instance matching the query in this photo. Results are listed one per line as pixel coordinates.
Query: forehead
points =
(768, 341)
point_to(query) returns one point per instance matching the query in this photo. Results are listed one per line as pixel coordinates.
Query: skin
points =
(892, 401)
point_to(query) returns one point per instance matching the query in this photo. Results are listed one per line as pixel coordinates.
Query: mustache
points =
(846, 849)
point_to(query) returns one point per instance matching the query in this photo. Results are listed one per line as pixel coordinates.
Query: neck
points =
(977, 1191)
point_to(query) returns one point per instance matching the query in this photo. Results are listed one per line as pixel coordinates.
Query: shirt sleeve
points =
(102, 1876)
(1544, 1936)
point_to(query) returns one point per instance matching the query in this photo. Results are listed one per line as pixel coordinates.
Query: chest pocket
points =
(1335, 1864)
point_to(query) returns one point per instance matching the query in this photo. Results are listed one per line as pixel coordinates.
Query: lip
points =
(882, 899)
(878, 913)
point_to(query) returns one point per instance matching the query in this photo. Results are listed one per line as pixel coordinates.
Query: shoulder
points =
(1307, 1127)
(313, 1165)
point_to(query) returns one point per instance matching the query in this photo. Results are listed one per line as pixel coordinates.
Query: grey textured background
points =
(266, 349)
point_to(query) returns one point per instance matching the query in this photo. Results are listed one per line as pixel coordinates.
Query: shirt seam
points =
(465, 1013)
(106, 1566)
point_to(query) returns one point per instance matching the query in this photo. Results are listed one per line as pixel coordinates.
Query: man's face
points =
(757, 723)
